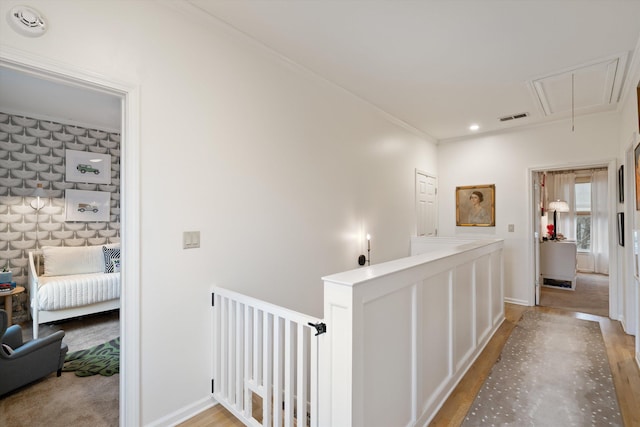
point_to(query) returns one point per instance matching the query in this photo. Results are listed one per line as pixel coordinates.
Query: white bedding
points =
(60, 292)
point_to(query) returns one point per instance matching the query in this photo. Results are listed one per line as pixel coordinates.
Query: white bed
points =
(75, 281)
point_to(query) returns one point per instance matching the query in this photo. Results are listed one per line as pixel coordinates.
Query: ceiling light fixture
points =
(27, 21)
(474, 127)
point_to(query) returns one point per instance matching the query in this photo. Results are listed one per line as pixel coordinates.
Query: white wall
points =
(278, 170)
(505, 160)
(629, 137)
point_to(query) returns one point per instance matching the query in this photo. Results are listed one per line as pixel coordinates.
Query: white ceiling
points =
(28, 95)
(437, 65)
(440, 66)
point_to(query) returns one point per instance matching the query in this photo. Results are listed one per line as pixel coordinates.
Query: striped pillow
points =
(111, 258)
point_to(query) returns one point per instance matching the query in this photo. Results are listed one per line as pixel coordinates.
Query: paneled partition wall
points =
(402, 334)
(399, 336)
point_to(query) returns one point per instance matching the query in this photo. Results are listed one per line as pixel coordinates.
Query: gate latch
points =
(321, 328)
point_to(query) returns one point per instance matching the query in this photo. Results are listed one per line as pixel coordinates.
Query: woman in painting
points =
(478, 214)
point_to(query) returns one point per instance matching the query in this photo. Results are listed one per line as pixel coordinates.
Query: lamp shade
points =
(559, 206)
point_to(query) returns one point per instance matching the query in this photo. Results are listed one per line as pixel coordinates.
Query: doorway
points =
(577, 275)
(426, 204)
(127, 96)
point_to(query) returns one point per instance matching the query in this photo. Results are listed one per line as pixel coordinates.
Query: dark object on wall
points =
(621, 228)
(638, 98)
(636, 155)
(621, 184)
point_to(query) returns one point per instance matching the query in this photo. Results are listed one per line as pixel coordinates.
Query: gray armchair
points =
(27, 362)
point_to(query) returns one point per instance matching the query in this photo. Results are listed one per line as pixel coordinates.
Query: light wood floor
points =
(620, 350)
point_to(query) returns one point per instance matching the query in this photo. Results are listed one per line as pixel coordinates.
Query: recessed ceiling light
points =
(474, 127)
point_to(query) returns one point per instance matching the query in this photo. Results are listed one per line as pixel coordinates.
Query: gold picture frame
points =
(476, 206)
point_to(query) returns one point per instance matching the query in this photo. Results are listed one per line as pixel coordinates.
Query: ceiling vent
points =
(514, 117)
(27, 21)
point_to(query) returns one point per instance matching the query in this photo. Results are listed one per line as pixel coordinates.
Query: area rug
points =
(103, 359)
(553, 371)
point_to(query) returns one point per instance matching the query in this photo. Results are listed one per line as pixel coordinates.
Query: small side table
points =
(8, 302)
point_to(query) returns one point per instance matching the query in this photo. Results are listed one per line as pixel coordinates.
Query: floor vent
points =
(513, 117)
(566, 284)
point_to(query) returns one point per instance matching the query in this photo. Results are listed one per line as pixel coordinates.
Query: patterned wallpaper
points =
(33, 151)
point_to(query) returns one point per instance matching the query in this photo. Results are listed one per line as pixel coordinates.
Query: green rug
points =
(103, 359)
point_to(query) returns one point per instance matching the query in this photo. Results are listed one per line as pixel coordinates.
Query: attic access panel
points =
(596, 86)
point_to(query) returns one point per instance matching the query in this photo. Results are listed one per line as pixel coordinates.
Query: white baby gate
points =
(265, 355)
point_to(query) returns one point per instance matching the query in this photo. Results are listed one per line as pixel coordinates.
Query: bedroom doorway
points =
(586, 227)
(62, 76)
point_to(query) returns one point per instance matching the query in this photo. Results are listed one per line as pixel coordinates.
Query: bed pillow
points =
(102, 257)
(116, 265)
(111, 259)
(67, 260)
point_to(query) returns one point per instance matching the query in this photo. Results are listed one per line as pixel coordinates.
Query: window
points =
(583, 214)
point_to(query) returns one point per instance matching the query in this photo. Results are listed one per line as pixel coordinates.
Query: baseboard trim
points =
(185, 413)
(517, 301)
(623, 323)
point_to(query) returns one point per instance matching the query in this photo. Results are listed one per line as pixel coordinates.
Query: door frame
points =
(415, 193)
(629, 316)
(130, 380)
(536, 236)
(534, 262)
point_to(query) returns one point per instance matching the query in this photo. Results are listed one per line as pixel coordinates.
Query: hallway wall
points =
(505, 160)
(280, 171)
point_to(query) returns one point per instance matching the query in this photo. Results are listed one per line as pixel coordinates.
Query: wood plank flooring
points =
(620, 350)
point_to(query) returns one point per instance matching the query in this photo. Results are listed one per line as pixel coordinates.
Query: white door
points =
(426, 204)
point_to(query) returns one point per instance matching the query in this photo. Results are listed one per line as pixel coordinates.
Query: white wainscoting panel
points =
(402, 334)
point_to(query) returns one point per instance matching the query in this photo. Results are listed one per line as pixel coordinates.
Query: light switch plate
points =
(190, 239)
(511, 228)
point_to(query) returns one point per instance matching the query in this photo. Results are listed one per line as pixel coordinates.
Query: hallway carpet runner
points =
(553, 371)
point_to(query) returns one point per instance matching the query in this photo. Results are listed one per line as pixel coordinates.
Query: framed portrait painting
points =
(81, 205)
(476, 206)
(84, 166)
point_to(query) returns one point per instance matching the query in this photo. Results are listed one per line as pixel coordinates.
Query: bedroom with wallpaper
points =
(60, 219)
